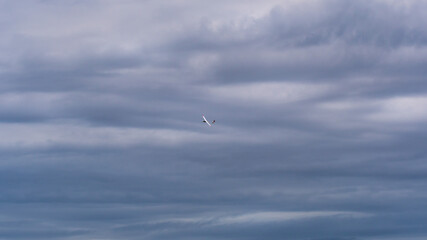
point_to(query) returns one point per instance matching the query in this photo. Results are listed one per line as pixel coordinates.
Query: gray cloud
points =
(319, 108)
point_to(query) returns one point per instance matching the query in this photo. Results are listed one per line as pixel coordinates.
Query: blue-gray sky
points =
(320, 108)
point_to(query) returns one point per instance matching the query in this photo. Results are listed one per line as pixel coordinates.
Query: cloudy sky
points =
(320, 109)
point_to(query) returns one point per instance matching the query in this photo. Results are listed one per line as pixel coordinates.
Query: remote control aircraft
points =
(207, 122)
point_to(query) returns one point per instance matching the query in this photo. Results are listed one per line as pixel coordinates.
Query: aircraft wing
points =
(206, 121)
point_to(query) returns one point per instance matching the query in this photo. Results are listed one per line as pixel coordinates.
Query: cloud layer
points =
(319, 107)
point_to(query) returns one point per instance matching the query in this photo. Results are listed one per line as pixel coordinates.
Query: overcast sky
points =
(320, 109)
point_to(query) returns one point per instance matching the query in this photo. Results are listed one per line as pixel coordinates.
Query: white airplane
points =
(206, 121)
